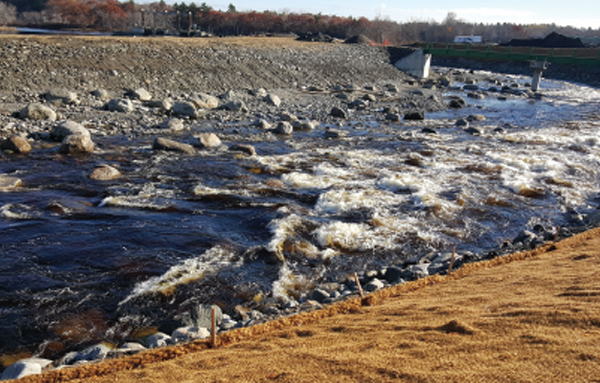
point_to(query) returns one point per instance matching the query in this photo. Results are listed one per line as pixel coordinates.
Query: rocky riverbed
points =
(144, 180)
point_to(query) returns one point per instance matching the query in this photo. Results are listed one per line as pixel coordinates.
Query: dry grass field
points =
(527, 317)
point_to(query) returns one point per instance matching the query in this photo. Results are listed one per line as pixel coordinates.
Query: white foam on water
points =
(190, 270)
(348, 236)
(282, 229)
(305, 181)
(18, 211)
(344, 201)
(290, 285)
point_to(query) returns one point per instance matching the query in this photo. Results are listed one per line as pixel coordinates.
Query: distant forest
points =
(112, 15)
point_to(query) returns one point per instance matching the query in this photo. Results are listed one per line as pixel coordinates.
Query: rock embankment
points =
(36, 64)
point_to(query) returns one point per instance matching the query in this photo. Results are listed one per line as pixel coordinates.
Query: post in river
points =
(538, 67)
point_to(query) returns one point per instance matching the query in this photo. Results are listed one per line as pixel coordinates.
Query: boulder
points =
(284, 128)
(262, 124)
(414, 116)
(186, 334)
(374, 285)
(164, 106)
(66, 128)
(335, 133)
(37, 112)
(185, 109)
(21, 369)
(457, 103)
(140, 94)
(285, 116)
(303, 125)
(319, 295)
(395, 117)
(205, 101)
(260, 92)
(272, 100)
(197, 316)
(339, 112)
(121, 105)
(157, 340)
(101, 94)
(16, 144)
(244, 148)
(463, 123)
(173, 146)
(173, 124)
(236, 106)
(105, 173)
(475, 117)
(76, 144)
(206, 141)
(60, 97)
(473, 131)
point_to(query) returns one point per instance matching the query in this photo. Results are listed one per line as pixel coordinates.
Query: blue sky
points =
(579, 13)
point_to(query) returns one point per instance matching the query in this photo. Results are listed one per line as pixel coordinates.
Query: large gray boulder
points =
(188, 333)
(272, 99)
(140, 94)
(21, 369)
(173, 124)
(37, 112)
(236, 106)
(205, 101)
(60, 97)
(66, 128)
(284, 128)
(122, 105)
(76, 144)
(185, 109)
(206, 141)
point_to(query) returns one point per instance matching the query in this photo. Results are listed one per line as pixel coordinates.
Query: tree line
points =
(113, 15)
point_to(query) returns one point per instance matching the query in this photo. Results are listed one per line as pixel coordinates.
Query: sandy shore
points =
(526, 317)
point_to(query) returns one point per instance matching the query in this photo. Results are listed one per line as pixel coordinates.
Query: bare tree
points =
(8, 13)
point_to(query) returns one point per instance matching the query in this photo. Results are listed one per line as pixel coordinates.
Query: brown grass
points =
(527, 317)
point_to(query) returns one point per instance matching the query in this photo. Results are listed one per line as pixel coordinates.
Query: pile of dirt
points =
(358, 39)
(553, 40)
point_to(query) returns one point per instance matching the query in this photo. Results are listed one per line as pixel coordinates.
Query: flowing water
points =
(85, 260)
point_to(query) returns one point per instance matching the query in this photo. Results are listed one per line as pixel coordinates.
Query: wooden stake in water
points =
(213, 327)
(452, 261)
(556, 234)
(360, 290)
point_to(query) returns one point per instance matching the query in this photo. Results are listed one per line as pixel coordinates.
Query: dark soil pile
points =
(553, 40)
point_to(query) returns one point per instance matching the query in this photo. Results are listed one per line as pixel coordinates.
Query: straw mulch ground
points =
(529, 317)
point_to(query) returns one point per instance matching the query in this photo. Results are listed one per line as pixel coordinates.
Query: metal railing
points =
(569, 56)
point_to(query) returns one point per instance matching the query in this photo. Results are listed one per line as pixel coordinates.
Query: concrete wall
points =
(416, 64)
